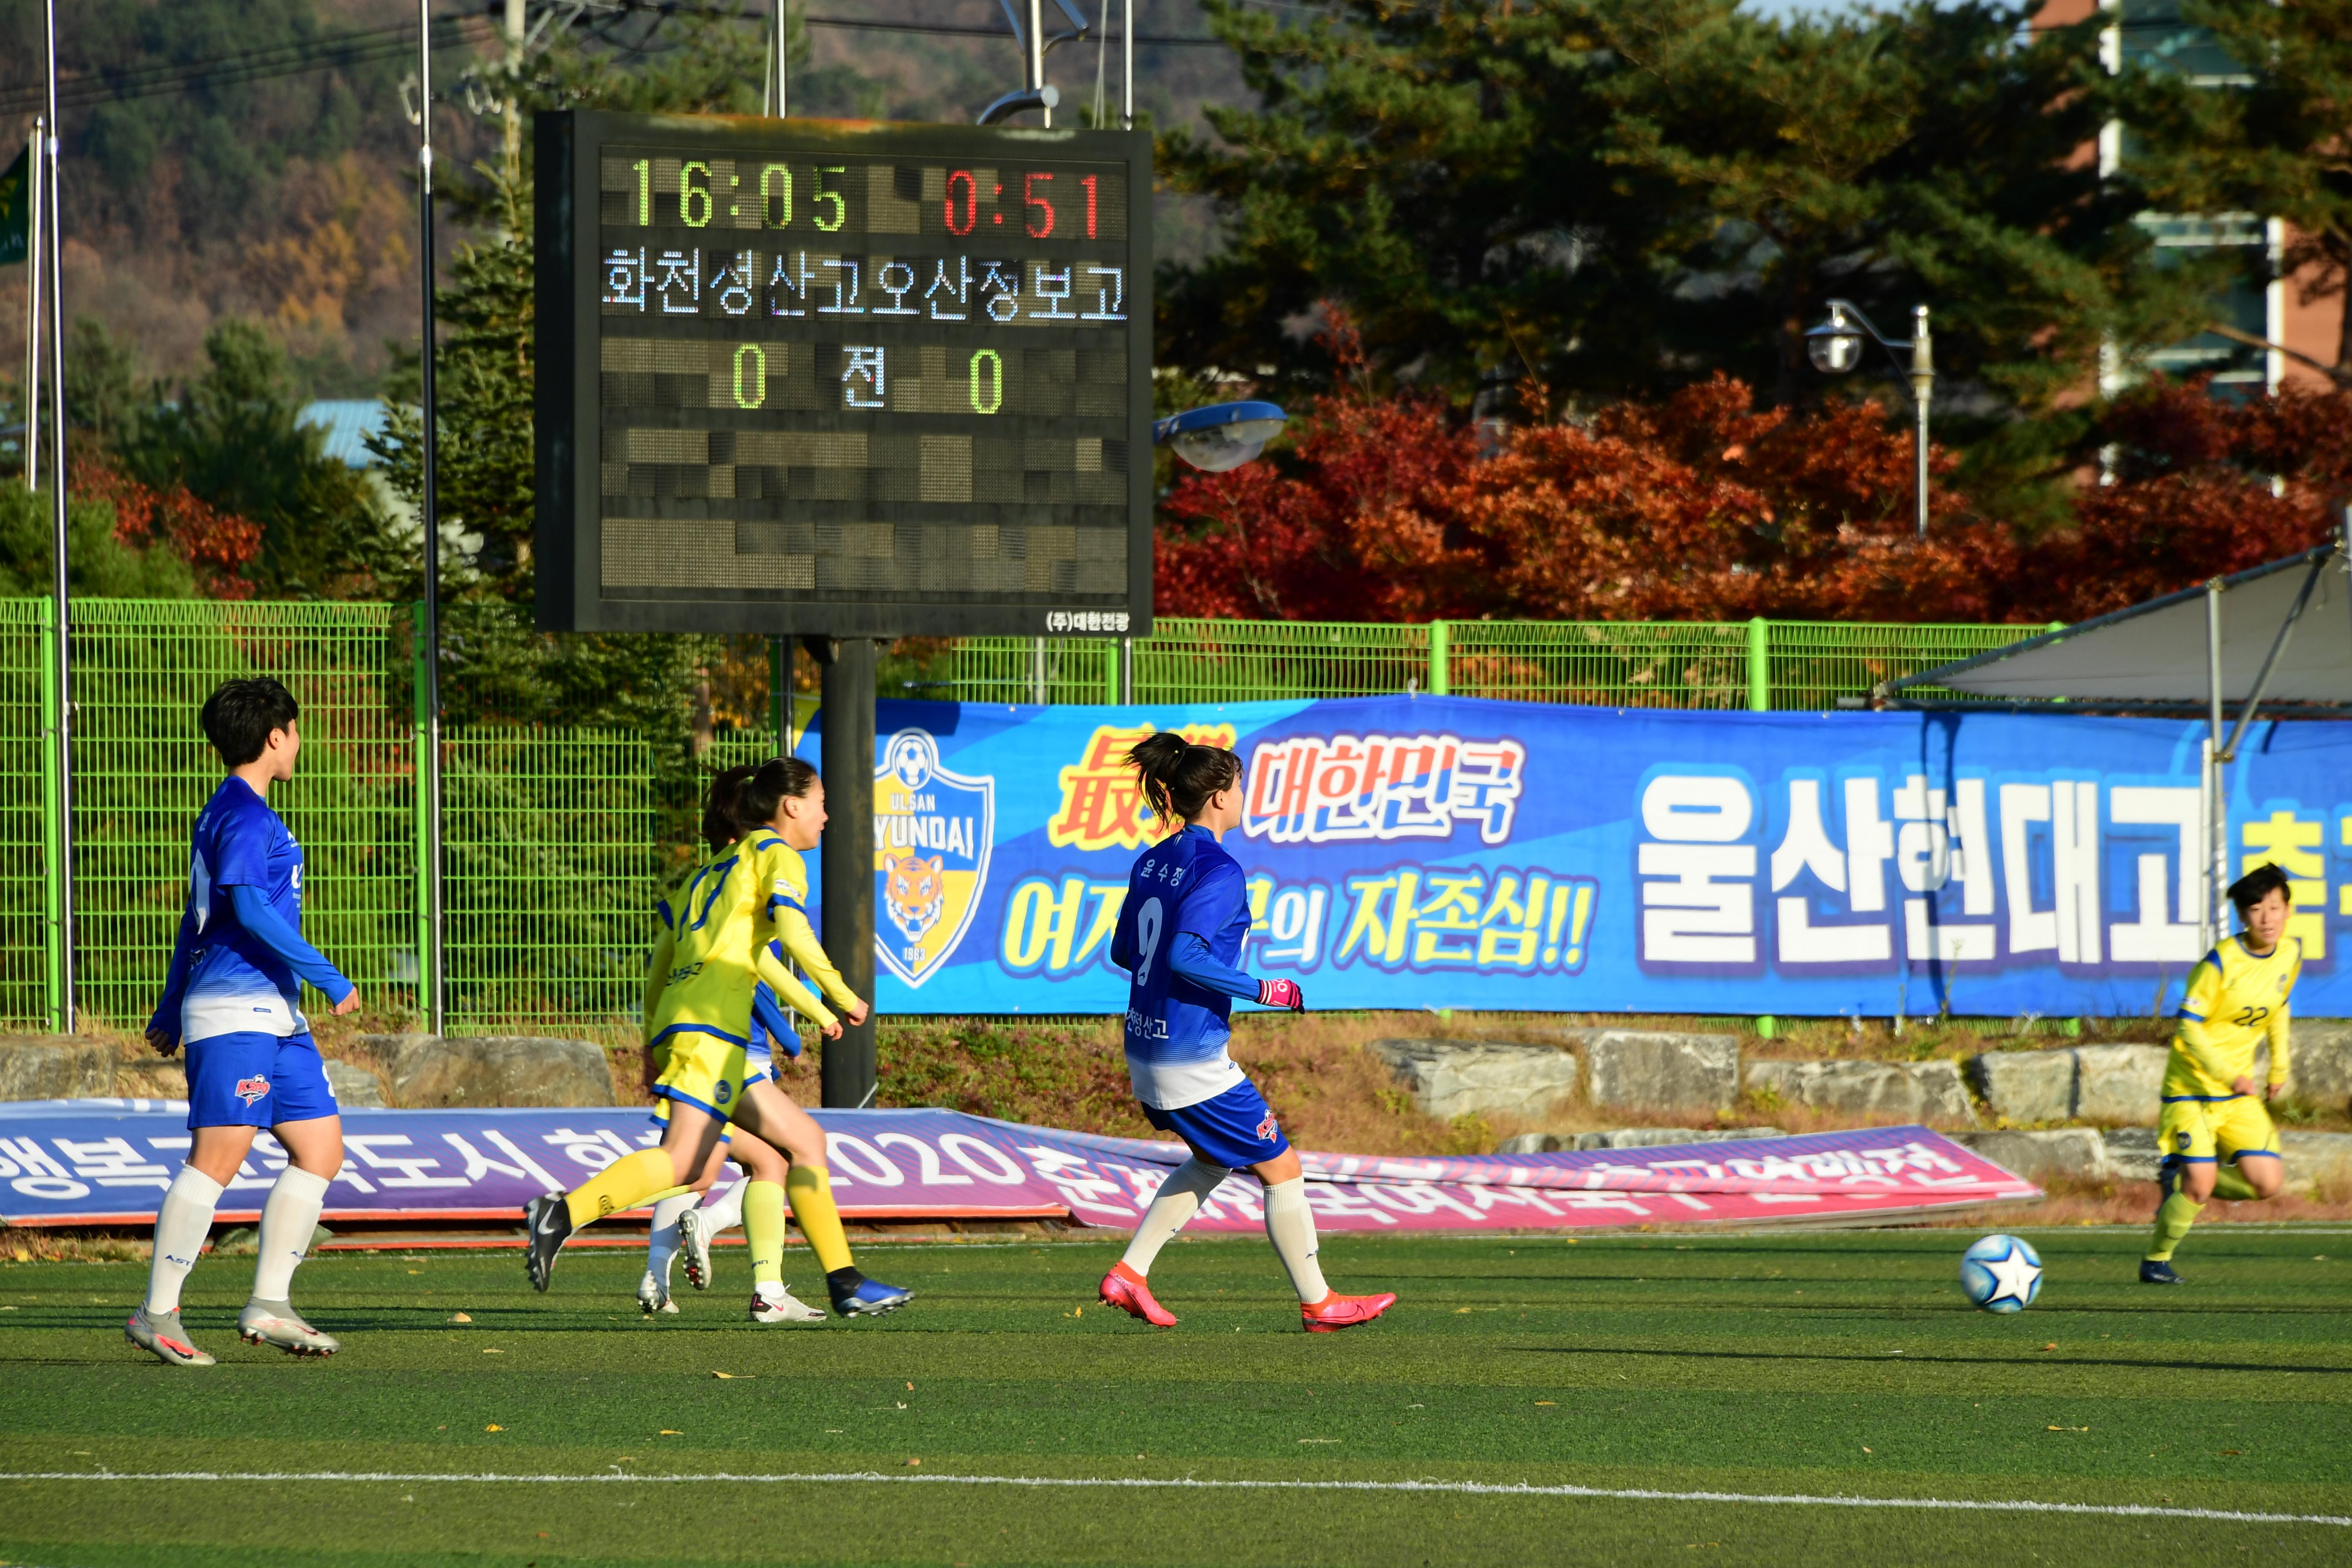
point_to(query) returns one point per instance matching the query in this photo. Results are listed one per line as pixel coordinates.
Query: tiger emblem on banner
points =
(933, 830)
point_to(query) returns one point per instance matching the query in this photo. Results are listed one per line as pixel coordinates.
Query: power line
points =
(359, 45)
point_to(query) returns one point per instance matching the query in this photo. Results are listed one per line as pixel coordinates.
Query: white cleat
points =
(693, 1234)
(783, 1307)
(277, 1323)
(160, 1334)
(653, 1296)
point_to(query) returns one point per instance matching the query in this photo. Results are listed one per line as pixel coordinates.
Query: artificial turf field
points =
(1828, 1364)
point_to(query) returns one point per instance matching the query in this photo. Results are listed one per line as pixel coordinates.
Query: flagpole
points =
(64, 869)
(428, 514)
(32, 398)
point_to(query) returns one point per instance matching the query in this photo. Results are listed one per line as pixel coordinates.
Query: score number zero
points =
(866, 363)
(697, 205)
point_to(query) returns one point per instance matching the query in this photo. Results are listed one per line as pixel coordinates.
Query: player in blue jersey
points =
(230, 998)
(1178, 932)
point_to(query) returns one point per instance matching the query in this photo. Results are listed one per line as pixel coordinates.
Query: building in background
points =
(2260, 304)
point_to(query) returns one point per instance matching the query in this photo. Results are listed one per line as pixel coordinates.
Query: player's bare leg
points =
(685, 1146)
(774, 1117)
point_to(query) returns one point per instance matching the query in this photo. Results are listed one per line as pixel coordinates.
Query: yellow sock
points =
(2229, 1182)
(623, 1184)
(763, 1227)
(2172, 1222)
(812, 1194)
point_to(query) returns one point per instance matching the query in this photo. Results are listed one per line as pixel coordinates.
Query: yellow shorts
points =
(2201, 1131)
(700, 1070)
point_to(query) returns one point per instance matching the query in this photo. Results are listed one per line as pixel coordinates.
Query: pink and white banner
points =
(107, 1162)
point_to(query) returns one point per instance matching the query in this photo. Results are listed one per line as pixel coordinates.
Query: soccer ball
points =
(2001, 1274)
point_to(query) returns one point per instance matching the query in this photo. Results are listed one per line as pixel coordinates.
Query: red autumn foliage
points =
(1706, 508)
(217, 544)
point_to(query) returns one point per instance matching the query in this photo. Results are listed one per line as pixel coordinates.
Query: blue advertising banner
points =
(1440, 852)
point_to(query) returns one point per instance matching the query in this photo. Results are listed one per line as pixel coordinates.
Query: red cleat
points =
(1124, 1288)
(1335, 1311)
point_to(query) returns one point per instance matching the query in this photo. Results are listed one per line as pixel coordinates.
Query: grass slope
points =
(1834, 1363)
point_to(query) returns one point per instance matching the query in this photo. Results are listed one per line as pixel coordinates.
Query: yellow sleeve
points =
(790, 991)
(2195, 1009)
(2281, 1036)
(657, 976)
(799, 941)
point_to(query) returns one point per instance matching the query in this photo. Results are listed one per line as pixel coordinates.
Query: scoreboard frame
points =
(570, 327)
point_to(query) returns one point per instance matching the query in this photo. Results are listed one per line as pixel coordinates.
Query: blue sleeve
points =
(240, 848)
(254, 913)
(1188, 956)
(770, 1016)
(1209, 905)
(166, 1019)
(1122, 941)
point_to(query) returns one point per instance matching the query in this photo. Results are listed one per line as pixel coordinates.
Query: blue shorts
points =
(253, 1079)
(1236, 1129)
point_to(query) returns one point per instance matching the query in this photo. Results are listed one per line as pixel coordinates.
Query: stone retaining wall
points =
(413, 1071)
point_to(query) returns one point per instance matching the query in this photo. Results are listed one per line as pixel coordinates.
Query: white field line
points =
(1476, 1489)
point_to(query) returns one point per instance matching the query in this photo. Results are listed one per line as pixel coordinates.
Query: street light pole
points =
(1836, 348)
(1923, 388)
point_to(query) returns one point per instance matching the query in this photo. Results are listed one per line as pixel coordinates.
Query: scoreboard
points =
(844, 378)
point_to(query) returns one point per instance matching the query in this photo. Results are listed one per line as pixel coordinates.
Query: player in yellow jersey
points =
(2215, 1133)
(712, 955)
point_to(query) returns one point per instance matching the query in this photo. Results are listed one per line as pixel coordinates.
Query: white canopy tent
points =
(2278, 637)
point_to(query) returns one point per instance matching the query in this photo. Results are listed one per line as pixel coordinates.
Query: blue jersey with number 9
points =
(1176, 1030)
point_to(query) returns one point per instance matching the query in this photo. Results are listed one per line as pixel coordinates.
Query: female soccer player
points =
(772, 1031)
(230, 997)
(708, 961)
(2215, 1135)
(1185, 919)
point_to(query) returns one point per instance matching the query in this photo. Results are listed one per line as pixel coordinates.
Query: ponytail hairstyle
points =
(721, 824)
(777, 780)
(1178, 777)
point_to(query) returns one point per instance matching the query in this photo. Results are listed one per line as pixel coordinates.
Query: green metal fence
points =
(1759, 664)
(554, 837)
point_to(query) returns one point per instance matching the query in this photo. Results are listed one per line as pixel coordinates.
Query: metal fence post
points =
(427, 981)
(1441, 677)
(53, 968)
(1759, 665)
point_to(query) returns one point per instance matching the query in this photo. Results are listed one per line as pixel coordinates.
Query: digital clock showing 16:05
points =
(856, 379)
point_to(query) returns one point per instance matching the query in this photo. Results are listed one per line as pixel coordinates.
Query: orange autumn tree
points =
(217, 546)
(1702, 507)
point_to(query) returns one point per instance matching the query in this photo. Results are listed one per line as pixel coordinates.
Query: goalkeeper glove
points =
(1281, 993)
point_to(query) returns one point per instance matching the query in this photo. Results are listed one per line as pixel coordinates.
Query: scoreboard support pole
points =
(846, 871)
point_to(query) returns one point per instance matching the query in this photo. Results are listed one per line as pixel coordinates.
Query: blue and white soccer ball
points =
(2001, 1274)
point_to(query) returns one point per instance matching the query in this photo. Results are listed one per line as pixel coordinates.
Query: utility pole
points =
(35, 154)
(846, 865)
(64, 870)
(429, 976)
(773, 99)
(514, 31)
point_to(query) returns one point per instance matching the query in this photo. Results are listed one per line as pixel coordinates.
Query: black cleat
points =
(2153, 1272)
(549, 1219)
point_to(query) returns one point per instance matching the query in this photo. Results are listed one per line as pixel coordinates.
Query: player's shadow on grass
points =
(1883, 1358)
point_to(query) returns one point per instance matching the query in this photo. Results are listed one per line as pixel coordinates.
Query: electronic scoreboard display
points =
(843, 378)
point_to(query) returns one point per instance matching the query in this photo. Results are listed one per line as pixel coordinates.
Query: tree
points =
(232, 437)
(2275, 138)
(1619, 197)
(101, 560)
(1703, 507)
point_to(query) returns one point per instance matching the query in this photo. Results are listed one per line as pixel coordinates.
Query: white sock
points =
(661, 1244)
(287, 1220)
(727, 1214)
(181, 1226)
(1290, 1225)
(1171, 1210)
